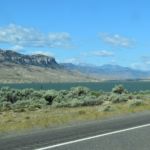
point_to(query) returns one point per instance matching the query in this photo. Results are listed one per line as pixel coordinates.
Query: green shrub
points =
(5, 89)
(26, 93)
(60, 104)
(115, 98)
(104, 97)
(5, 106)
(136, 102)
(30, 104)
(95, 93)
(81, 101)
(29, 99)
(2, 99)
(78, 91)
(36, 104)
(50, 95)
(9, 95)
(21, 105)
(37, 94)
(91, 101)
(74, 103)
(119, 89)
(138, 96)
(107, 108)
(61, 96)
(130, 97)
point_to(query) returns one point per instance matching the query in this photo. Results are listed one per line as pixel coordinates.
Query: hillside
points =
(15, 73)
(19, 68)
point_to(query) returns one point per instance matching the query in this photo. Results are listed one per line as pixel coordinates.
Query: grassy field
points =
(52, 117)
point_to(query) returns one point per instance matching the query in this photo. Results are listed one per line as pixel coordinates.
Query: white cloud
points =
(99, 53)
(43, 53)
(142, 64)
(73, 60)
(17, 48)
(117, 40)
(17, 35)
(102, 53)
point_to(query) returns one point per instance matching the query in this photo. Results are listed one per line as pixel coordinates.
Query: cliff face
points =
(36, 60)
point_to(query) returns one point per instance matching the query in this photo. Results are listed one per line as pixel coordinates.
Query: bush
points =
(60, 104)
(81, 101)
(50, 95)
(104, 97)
(79, 91)
(107, 108)
(95, 93)
(29, 99)
(37, 94)
(37, 104)
(5, 89)
(30, 104)
(130, 97)
(136, 102)
(74, 103)
(115, 98)
(9, 95)
(61, 96)
(91, 101)
(5, 106)
(26, 93)
(21, 105)
(119, 89)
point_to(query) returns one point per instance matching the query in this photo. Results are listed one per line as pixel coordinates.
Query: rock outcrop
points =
(37, 60)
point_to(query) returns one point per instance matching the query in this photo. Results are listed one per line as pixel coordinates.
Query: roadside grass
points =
(11, 121)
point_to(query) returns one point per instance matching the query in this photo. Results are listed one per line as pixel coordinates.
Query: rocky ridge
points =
(36, 60)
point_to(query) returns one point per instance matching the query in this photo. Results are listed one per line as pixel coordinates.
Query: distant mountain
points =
(16, 67)
(20, 68)
(36, 60)
(105, 72)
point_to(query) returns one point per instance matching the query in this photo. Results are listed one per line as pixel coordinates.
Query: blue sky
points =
(80, 31)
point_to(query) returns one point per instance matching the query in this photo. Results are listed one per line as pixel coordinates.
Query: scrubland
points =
(30, 109)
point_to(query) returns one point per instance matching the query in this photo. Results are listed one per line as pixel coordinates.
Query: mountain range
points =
(16, 67)
(108, 72)
(20, 68)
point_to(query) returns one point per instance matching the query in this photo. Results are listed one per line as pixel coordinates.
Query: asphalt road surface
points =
(130, 132)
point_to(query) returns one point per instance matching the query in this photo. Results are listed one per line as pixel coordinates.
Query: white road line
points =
(92, 137)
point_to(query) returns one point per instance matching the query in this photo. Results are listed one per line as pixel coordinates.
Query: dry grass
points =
(50, 117)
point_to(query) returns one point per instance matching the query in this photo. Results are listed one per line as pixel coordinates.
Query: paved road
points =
(134, 139)
(138, 139)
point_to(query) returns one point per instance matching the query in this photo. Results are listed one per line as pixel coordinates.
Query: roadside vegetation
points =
(28, 108)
